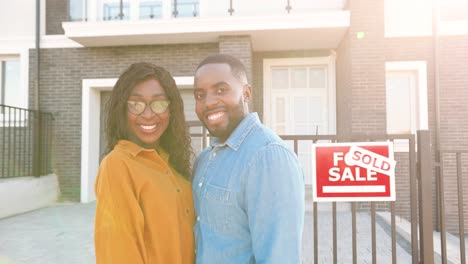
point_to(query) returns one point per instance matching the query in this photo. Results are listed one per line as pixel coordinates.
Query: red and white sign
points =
(359, 171)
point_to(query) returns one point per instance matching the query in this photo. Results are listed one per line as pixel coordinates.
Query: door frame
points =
(90, 129)
(331, 69)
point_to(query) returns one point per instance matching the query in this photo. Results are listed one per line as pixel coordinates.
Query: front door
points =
(300, 100)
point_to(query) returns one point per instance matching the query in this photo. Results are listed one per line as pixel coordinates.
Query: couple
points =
(248, 191)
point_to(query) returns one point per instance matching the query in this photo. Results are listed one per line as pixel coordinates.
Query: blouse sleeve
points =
(119, 223)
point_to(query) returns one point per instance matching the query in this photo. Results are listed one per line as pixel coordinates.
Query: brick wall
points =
(417, 49)
(453, 64)
(62, 71)
(368, 54)
(368, 68)
(453, 85)
(367, 102)
(56, 13)
(241, 48)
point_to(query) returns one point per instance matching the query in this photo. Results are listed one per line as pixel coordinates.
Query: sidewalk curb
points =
(403, 237)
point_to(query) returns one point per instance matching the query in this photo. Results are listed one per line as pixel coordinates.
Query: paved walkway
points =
(63, 233)
(344, 239)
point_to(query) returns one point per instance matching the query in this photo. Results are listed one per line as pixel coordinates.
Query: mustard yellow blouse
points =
(144, 210)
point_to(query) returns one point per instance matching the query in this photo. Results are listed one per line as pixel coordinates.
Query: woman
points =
(144, 210)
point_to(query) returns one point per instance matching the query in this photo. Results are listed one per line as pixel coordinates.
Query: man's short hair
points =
(237, 67)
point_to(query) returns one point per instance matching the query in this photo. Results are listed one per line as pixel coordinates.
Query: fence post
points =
(425, 197)
(37, 170)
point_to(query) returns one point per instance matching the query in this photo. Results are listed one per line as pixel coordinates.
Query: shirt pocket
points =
(219, 208)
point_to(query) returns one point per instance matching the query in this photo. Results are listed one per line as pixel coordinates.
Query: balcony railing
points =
(185, 9)
(150, 10)
(105, 10)
(25, 142)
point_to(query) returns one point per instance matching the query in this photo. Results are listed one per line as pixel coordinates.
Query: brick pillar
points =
(343, 88)
(367, 47)
(241, 48)
(56, 13)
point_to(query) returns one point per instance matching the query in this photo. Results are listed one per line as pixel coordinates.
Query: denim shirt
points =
(249, 199)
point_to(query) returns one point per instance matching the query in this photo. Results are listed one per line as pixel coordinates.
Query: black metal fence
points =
(420, 210)
(414, 171)
(25, 142)
(450, 202)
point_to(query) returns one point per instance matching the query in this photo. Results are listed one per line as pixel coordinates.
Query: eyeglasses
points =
(138, 107)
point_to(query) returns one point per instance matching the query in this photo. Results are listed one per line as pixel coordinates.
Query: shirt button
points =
(200, 184)
(198, 218)
(167, 172)
(214, 154)
(178, 190)
(187, 211)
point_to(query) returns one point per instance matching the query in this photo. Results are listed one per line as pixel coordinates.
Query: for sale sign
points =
(361, 171)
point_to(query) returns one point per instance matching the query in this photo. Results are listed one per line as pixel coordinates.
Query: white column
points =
(134, 9)
(92, 10)
(202, 8)
(166, 9)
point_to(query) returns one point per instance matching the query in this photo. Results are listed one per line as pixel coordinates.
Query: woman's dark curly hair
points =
(176, 139)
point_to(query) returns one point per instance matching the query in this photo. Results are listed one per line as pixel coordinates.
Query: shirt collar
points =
(134, 149)
(240, 132)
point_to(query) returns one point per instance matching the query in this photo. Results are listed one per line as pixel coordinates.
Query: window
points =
(77, 10)
(10, 82)
(132, 10)
(186, 8)
(414, 18)
(453, 17)
(406, 97)
(150, 9)
(13, 91)
(453, 10)
(401, 102)
(111, 10)
(404, 18)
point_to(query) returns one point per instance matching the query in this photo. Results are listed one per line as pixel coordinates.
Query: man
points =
(248, 186)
